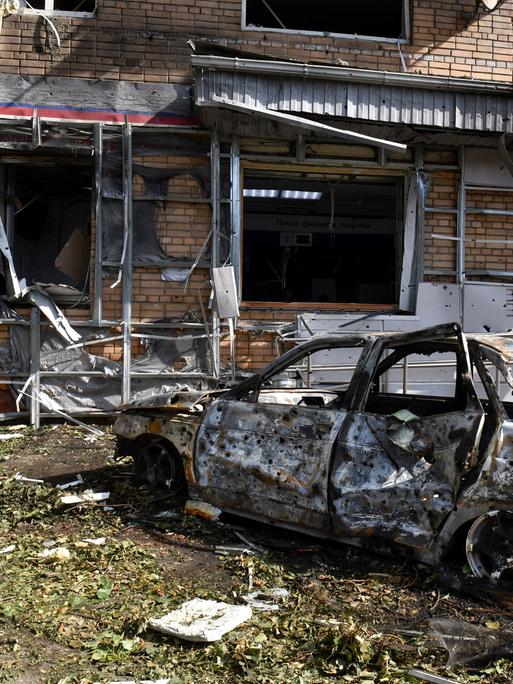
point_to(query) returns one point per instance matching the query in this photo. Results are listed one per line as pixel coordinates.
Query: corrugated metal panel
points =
(363, 101)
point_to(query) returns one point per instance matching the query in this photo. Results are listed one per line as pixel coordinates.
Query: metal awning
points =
(356, 94)
(302, 122)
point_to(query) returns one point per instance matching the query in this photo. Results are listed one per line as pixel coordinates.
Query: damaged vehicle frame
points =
(353, 462)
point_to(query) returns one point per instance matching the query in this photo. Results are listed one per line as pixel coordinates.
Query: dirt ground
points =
(348, 615)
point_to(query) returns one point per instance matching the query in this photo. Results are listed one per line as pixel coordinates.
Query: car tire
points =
(158, 465)
(489, 546)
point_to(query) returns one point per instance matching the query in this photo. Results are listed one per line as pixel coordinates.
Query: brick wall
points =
(496, 255)
(440, 254)
(148, 41)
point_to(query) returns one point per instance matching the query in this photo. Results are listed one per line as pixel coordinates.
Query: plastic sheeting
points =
(146, 248)
(102, 391)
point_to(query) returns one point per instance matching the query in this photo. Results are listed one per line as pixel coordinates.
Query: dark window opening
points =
(364, 18)
(322, 241)
(64, 5)
(51, 231)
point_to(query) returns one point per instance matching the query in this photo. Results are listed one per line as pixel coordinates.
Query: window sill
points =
(328, 34)
(56, 13)
(322, 306)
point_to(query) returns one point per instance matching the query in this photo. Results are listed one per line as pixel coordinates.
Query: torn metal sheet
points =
(5, 249)
(356, 462)
(301, 122)
(225, 292)
(52, 312)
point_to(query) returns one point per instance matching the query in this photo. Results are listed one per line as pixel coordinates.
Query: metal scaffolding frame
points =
(31, 382)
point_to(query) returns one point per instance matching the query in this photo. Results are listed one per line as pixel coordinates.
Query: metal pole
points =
(461, 218)
(98, 173)
(309, 371)
(461, 232)
(216, 206)
(35, 367)
(9, 210)
(235, 195)
(127, 264)
(419, 166)
(405, 375)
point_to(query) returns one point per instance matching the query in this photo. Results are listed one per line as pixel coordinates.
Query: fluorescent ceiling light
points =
(259, 192)
(300, 195)
(269, 193)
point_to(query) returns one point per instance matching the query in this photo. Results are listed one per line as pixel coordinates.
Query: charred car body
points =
(354, 462)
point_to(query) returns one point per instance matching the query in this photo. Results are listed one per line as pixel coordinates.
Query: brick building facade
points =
(139, 147)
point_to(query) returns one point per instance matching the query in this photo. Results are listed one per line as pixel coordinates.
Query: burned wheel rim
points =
(489, 546)
(158, 466)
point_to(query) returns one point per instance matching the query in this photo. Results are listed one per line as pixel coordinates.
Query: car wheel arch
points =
(158, 462)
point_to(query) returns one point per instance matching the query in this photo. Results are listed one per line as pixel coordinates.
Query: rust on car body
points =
(356, 462)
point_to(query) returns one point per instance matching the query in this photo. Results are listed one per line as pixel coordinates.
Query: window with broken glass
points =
(388, 21)
(83, 8)
(322, 240)
(50, 226)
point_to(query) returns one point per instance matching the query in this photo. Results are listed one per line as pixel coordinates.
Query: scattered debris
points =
(86, 497)
(99, 541)
(201, 620)
(8, 549)
(74, 483)
(262, 600)
(202, 510)
(232, 550)
(143, 681)
(429, 677)
(83, 543)
(57, 554)
(22, 478)
(164, 515)
(4, 436)
(470, 644)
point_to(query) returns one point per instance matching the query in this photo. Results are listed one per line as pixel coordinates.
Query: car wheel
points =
(158, 465)
(489, 546)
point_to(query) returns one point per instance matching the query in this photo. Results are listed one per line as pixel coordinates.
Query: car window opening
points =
(322, 241)
(447, 392)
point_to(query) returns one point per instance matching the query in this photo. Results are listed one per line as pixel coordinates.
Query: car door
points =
(400, 458)
(270, 459)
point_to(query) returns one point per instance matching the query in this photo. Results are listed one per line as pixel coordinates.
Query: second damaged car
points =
(375, 458)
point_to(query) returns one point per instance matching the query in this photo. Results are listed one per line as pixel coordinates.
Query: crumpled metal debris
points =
(469, 644)
(86, 497)
(266, 600)
(201, 620)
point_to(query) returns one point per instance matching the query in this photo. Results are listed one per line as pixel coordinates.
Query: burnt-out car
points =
(375, 457)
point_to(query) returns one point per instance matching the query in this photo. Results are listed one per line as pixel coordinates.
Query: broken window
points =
(49, 225)
(365, 18)
(323, 241)
(60, 7)
(402, 376)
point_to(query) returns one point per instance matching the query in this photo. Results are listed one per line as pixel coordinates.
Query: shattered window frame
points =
(49, 11)
(62, 291)
(297, 174)
(403, 39)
